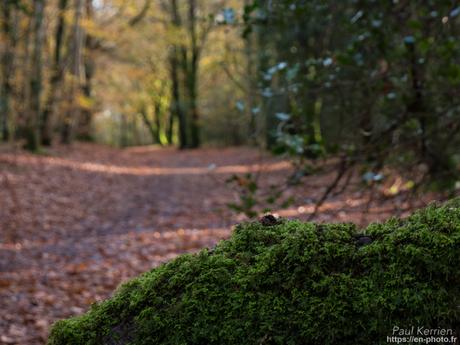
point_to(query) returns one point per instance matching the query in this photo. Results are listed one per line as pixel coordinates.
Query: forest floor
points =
(77, 221)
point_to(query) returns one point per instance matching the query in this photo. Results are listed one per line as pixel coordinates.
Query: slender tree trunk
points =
(251, 85)
(7, 68)
(158, 115)
(86, 113)
(84, 126)
(72, 116)
(33, 121)
(123, 131)
(263, 40)
(57, 76)
(193, 109)
(192, 78)
(150, 125)
(170, 131)
(176, 104)
(23, 91)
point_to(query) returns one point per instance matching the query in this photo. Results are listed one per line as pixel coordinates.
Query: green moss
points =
(292, 283)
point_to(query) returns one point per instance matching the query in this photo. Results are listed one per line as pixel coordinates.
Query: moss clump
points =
(291, 283)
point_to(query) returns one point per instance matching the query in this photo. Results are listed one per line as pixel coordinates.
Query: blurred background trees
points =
(374, 83)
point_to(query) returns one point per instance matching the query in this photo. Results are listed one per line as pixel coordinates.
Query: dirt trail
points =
(79, 221)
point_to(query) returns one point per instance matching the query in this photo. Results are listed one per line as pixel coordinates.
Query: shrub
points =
(291, 283)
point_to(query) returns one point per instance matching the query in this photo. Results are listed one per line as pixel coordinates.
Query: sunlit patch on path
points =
(146, 170)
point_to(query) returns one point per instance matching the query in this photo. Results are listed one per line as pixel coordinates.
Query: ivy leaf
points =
(409, 40)
(357, 16)
(327, 62)
(455, 12)
(283, 116)
(240, 105)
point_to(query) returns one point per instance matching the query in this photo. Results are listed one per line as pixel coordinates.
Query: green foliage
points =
(247, 187)
(382, 76)
(290, 283)
(251, 200)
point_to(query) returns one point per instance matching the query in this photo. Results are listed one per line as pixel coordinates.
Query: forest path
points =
(78, 221)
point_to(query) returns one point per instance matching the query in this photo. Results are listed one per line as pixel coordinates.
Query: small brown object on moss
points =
(269, 220)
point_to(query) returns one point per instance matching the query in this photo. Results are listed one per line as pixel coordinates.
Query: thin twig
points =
(343, 166)
(368, 205)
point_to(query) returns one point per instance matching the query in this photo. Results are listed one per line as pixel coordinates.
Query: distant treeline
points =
(46, 79)
(49, 56)
(376, 82)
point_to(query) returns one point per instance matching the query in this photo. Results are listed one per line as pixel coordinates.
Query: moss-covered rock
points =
(290, 283)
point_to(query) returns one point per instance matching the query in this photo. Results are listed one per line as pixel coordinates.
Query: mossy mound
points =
(290, 283)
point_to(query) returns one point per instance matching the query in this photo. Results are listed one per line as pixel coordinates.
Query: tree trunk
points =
(86, 113)
(123, 131)
(192, 78)
(57, 76)
(150, 125)
(7, 68)
(251, 86)
(176, 104)
(84, 125)
(33, 119)
(170, 131)
(72, 116)
(269, 121)
(157, 113)
(195, 117)
(23, 91)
